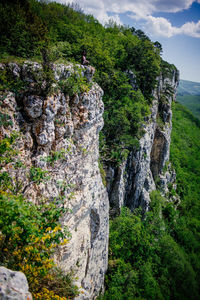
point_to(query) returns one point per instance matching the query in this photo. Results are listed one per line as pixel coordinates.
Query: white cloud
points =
(142, 10)
(171, 5)
(162, 27)
(99, 9)
(191, 28)
(138, 7)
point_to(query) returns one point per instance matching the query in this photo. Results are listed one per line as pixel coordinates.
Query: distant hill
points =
(189, 96)
(188, 88)
(191, 102)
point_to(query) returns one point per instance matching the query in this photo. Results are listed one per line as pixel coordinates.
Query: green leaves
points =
(21, 30)
(75, 84)
(113, 50)
(29, 235)
(185, 157)
(38, 175)
(7, 152)
(150, 258)
(123, 120)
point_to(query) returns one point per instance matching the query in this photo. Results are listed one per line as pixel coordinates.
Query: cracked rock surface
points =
(131, 183)
(13, 285)
(60, 134)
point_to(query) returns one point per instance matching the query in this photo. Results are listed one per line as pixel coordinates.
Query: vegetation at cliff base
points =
(191, 102)
(151, 257)
(158, 257)
(188, 94)
(185, 157)
(30, 234)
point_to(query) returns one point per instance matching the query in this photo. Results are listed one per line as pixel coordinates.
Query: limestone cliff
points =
(131, 183)
(13, 285)
(58, 126)
(59, 135)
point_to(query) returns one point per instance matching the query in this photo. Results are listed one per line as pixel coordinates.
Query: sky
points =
(174, 23)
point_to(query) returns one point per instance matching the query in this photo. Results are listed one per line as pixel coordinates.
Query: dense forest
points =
(191, 102)
(151, 257)
(158, 257)
(189, 96)
(58, 33)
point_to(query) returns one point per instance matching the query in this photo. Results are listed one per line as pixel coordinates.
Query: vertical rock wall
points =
(13, 285)
(131, 183)
(60, 134)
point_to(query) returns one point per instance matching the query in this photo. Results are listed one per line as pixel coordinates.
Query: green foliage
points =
(9, 82)
(22, 32)
(157, 256)
(75, 84)
(29, 233)
(167, 69)
(7, 151)
(38, 175)
(5, 120)
(28, 245)
(123, 122)
(185, 157)
(114, 153)
(64, 34)
(60, 51)
(145, 261)
(5, 181)
(191, 102)
(102, 172)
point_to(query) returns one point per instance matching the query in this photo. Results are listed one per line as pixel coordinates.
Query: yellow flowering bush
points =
(47, 295)
(29, 235)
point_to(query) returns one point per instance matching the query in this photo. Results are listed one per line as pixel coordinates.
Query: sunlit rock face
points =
(131, 183)
(60, 134)
(13, 285)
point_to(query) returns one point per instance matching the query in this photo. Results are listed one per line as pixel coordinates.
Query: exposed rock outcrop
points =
(131, 183)
(13, 285)
(59, 134)
(58, 126)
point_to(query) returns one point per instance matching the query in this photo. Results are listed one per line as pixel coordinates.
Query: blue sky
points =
(174, 23)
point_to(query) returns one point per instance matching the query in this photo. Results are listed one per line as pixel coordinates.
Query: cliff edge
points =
(58, 133)
(147, 167)
(58, 117)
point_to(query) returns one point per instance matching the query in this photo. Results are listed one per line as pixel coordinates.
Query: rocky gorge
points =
(131, 183)
(59, 133)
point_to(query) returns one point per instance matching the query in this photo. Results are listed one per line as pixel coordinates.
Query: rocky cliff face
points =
(59, 135)
(131, 183)
(13, 285)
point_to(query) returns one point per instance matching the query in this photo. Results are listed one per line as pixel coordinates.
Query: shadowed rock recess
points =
(59, 133)
(131, 183)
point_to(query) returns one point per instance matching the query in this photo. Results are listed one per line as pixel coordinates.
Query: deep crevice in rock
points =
(158, 151)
